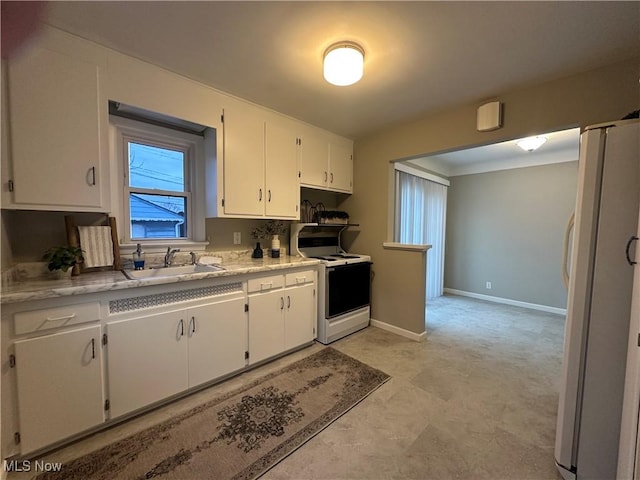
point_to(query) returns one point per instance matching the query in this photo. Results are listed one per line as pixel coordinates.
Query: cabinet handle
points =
(93, 348)
(631, 240)
(288, 302)
(260, 195)
(91, 176)
(181, 327)
(269, 192)
(331, 177)
(266, 286)
(57, 319)
(325, 176)
(193, 325)
(281, 303)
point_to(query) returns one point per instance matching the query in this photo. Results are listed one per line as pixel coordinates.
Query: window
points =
(157, 191)
(159, 167)
(420, 218)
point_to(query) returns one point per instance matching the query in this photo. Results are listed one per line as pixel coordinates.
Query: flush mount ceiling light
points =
(530, 144)
(343, 64)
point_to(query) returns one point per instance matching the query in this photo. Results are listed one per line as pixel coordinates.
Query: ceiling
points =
(561, 146)
(421, 57)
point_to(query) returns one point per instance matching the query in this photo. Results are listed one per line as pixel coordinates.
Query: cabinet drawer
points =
(262, 284)
(45, 319)
(299, 278)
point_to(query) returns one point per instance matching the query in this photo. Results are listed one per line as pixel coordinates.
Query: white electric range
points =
(344, 279)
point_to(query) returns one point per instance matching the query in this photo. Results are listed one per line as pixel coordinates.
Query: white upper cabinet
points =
(341, 165)
(244, 188)
(281, 169)
(326, 161)
(58, 129)
(314, 158)
(260, 164)
(56, 152)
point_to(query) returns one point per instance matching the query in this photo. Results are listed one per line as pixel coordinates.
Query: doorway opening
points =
(504, 220)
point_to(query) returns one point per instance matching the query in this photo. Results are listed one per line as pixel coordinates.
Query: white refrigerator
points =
(599, 302)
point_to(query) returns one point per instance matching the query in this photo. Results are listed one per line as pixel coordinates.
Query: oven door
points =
(348, 287)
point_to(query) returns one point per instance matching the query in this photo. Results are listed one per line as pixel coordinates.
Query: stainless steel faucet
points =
(168, 258)
(193, 258)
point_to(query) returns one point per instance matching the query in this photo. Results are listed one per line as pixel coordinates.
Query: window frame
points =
(187, 153)
(125, 130)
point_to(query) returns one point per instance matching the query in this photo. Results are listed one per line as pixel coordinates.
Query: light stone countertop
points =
(42, 288)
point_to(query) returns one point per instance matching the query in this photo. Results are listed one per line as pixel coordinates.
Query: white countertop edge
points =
(405, 246)
(115, 280)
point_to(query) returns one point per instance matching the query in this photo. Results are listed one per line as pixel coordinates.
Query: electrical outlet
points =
(488, 285)
(237, 238)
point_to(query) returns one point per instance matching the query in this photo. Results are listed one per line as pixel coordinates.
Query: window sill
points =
(405, 246)
(160, 246)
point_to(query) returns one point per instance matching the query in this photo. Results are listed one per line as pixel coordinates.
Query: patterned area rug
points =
(241, 434)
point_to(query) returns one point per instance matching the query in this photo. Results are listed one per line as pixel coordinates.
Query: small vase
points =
(275, 247)
(257, 252)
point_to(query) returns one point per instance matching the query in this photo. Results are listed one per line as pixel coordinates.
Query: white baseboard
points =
(416, 337)
(507, 301)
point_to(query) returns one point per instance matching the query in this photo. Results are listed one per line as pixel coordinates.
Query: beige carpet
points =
(241, 434)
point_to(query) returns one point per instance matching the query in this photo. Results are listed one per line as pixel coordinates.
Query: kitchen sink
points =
(170, 271)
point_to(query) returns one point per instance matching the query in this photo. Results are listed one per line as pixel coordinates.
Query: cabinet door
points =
(217, 340)
(59, 380)
(55, 116)
(244, 190)
(314, 159)
(266, 325)
(282, 183)
(147, 360)
(341, 167)
(300, 315)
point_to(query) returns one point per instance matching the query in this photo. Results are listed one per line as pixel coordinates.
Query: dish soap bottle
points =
(138, 258)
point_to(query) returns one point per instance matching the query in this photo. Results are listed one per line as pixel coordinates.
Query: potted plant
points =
(62, 258)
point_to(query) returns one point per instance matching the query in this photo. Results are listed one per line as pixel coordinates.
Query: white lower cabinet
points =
(282, 313)
(300, 316)
(266, 324)
(59, 385)
(76, 365)
(146, 360)
(217, 340)
(154, 357)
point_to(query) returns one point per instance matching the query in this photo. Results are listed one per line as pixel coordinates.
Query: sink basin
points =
(170, 271)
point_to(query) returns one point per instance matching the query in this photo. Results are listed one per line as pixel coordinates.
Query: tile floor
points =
(476, 400)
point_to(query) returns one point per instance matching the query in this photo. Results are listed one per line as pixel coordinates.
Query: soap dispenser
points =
(138, 258)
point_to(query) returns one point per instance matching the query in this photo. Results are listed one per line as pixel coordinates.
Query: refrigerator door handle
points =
(565, 251)
(631, 240)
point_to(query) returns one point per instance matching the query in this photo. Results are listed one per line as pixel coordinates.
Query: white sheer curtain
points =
(421, 208)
